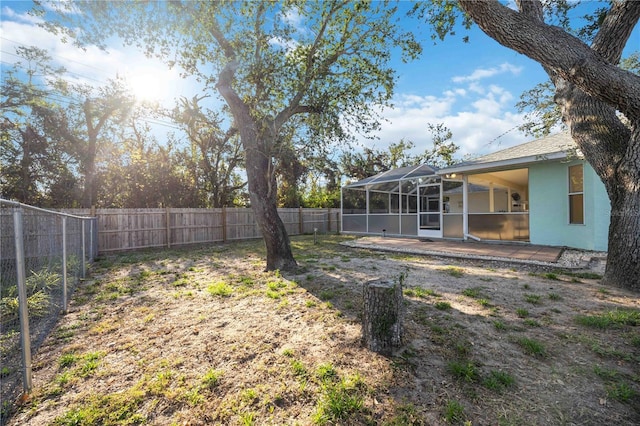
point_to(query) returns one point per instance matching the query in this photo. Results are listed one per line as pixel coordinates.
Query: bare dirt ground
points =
(203, 336)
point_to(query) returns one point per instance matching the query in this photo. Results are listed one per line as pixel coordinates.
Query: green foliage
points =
(473, 292)
(454, 412)
(534, 299)
(220, 289)
(406, 415)
(454, 271)
(554, 296)
(613, 318)
(621, 392)
(532, 347)
(113, 409)
(499, 325)
(67, 360)
(463, 370)
(420, 292)
(498, 380)
(340, 401)
(443, 306)
(211, 378)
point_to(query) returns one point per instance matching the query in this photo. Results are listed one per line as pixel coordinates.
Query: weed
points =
(609, 319)
(484, 303)
(634, 340)
(340, 401)
(463, 370)
(249, 395)
(180, 282)
(211, 378)
(550, 276)
(271, 294)
(594, 321)
(248, 419)
(554, 296)
(603, 290)
(532, 347)
(326, 372)
(534, 299)
(91, 362)
(621, 392)
(276, 285)
(443, 306)
(462, 349)
(193, 397)
(298, 369)
(454, 412)
(531, 322)
(310, 304)
(420, 292)
(499, 325)
(473, 292)
(117, 408)
(67, 360)
(406, 415)
(605, 373)
(289, 353)
(246, 281)
(522, 313)
(526, 286)
(584, 275)
(220, 289)
(327, 295)
(498, 380)
(454, 271)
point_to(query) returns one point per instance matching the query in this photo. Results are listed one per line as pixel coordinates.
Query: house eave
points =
(511, 163)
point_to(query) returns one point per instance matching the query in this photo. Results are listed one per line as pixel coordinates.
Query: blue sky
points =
(471, 88)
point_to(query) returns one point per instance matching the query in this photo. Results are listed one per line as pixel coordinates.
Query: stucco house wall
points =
(549, 207)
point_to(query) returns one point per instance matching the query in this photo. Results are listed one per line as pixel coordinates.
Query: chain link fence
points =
(43, 256)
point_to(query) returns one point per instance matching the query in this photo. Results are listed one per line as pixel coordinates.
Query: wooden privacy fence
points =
(131, 229)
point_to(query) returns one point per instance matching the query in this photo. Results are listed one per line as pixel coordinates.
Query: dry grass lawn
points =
(203, 336)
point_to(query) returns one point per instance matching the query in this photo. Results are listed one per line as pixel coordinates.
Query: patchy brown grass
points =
(204, 336)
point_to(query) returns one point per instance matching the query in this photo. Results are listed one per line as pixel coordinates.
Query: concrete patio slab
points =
(515, 253)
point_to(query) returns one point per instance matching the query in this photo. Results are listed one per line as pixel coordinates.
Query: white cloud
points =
(8, 13)
(91, 66)
(482, 73)
(481, 121)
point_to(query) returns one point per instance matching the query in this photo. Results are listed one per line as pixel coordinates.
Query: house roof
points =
(548, 148)
(395, 175)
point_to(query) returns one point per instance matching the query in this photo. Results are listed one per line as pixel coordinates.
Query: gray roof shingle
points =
(534, 150)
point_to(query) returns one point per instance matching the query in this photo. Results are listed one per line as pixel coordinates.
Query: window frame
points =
(575, 193)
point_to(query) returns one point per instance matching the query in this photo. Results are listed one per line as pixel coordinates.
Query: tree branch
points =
(571, 59)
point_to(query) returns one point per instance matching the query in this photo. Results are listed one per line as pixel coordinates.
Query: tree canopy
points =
(323, 65)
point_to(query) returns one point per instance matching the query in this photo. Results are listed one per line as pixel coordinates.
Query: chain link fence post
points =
(25, 335)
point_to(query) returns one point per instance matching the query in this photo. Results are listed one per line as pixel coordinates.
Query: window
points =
(576, 194)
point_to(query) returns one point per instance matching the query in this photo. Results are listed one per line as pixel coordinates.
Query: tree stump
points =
(383, 316)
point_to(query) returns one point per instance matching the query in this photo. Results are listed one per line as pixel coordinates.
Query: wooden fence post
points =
(224, 224)
(328, 220)
(301, 221)
(168, 223)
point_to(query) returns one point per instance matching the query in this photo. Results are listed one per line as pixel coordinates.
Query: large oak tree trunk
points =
(589, 89)
(263, 196)
(256, 138)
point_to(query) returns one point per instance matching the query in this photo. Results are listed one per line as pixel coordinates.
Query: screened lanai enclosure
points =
(422, 201)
